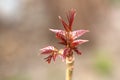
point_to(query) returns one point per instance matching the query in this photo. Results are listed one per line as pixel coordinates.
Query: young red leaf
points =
(54, 56)
(77, 51)
(61, 37)
(58, 31)
(66, 52)
(70, 16)
(48, 59)
(48, 50)
(78, 33)
(60, 34)
(66, 26)
(77, 42)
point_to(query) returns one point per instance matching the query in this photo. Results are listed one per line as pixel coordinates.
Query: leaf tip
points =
(60, 17)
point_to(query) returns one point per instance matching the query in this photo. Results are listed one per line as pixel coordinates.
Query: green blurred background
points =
(24, 30)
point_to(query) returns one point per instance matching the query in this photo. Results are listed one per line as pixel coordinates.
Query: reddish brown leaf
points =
(78, 33)
(61, 32)
(48, 59)
(77, 42)
(54, 57)
(70, 16)
(48, 50)
(66, 52)
(66, 26)
(61, 37)
(77, 51)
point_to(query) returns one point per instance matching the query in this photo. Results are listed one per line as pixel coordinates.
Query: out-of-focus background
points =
(24, 30)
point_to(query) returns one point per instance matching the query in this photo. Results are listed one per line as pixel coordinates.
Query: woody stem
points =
(69, 68)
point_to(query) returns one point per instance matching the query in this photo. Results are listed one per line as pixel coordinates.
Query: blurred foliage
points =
(17, 77)
(103, 63)
(115, 1)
